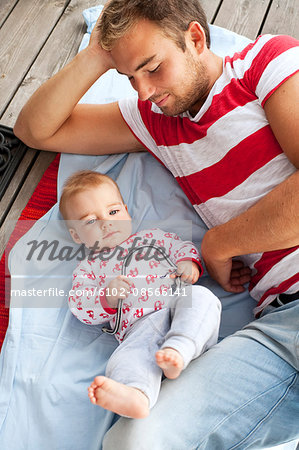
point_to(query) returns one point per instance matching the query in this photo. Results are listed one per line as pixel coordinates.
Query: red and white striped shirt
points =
(226, 158)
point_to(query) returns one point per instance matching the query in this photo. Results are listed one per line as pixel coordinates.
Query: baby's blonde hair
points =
(80, 182)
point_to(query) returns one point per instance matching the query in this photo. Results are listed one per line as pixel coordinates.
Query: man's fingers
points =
(238, 273)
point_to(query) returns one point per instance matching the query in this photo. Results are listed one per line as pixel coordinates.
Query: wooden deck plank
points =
(210, 7)
(242, 16)
(6, 7)
(283, 18)
(22, 36)
(66, 36)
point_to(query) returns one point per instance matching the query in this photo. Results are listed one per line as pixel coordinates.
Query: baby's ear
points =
(75, 236)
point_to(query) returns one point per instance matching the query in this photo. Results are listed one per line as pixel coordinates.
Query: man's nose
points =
(145, 90)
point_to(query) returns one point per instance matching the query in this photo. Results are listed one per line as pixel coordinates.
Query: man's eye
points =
(113, 212)
(155, 69)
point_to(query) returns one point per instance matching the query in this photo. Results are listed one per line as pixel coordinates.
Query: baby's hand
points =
(187, 270)
(118, 288)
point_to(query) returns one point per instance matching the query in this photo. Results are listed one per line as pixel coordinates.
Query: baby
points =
(141, 284)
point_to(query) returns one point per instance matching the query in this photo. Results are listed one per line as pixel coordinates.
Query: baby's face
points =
(99, 216)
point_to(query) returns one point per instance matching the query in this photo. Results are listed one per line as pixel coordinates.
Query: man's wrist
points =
(216, 244)
(89, 63)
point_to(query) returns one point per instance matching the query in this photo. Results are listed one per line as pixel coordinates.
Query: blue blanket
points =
(49, 358)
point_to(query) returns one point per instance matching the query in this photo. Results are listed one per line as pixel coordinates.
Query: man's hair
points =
(172, 16)
(80, 182)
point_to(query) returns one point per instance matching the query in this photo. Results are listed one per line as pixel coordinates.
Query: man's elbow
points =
(22, 131)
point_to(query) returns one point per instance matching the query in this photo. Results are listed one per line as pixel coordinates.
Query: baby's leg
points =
(119, 398)
(193, 330)
(132, 382)
(170, 361)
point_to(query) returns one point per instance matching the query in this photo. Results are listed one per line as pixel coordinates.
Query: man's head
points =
(94, 210)
(172, 16)
(162, 47)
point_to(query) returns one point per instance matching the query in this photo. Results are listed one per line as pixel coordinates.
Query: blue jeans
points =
(243, 393)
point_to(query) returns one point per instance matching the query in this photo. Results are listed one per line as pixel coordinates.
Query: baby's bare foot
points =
(119, 398)
(170, 361)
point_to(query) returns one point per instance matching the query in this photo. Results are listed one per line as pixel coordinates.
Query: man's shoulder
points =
(267, 55)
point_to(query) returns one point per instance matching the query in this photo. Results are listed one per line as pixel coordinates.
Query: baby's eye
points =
(91, 221)
(113, 212)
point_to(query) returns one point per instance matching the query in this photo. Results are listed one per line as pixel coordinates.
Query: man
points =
(228, 132)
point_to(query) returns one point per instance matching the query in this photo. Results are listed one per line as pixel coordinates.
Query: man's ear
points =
(75, 236)
(197, 36)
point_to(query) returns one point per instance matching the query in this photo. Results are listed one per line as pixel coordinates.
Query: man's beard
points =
(194, 88)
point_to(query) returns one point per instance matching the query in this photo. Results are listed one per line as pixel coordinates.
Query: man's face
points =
(160, 71)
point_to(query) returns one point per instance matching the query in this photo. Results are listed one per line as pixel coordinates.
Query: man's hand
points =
(95, 49)
(187, 270)
(230, 274)
(118, 288)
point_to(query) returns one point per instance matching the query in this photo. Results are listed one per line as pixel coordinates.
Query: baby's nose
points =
(105, 224)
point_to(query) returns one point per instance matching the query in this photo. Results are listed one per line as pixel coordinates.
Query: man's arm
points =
(53, 120)
(273, 222)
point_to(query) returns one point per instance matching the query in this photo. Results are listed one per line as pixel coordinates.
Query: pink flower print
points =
(89, 275)
(150, 278)
(153, 264)
(101, 279)
(158, 305)
(144, 298)
(117, 268)
(133, 273)
(90, 314)
(87, 321)
(140, 255)
(124, 324)
(163, 288)
(138, 313)
(89, 292)
(104, 315)
(103, 264)
(126, 307)
(123, 253)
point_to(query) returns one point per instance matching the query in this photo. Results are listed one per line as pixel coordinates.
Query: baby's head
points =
(94, 211)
